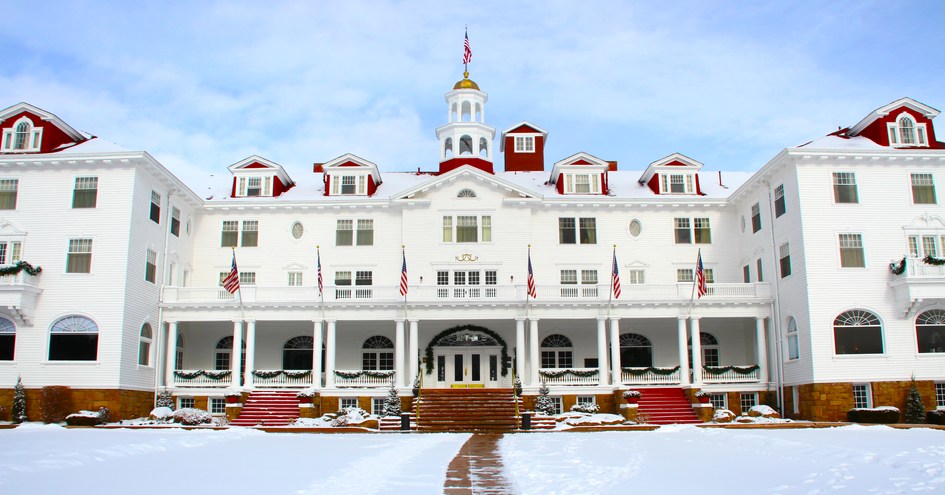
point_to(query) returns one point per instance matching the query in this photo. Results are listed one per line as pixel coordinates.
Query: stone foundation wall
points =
(123, 404)
(831, 401)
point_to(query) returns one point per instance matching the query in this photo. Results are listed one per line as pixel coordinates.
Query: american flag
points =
(532, 290)
(232, 281)
(467, 52)
(403, 276)
(700, 276)
(321, 281)
(616, 277)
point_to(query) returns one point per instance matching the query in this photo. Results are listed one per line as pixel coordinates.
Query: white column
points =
(237, 354)
(602, 351)
(520, 348)
(171, 353)
(330, 355)
(761, 349)
(250, 351)
(399, 353)
(413, 352)
(533, 359)
(696, 353)
(317, 353)
(615, 373)
(683, 351)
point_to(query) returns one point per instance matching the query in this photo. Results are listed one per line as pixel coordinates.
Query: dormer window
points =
(906, 132)
(676, 184)
(581, 183)
(352, 185)
(254, 186)
(22, 136)
(524, 144)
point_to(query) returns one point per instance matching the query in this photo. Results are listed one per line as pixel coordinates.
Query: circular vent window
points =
(297, 230)
(635, 227)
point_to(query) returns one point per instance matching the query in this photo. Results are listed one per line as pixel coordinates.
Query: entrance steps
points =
(665, 406)
(269, 408)
(467, 409)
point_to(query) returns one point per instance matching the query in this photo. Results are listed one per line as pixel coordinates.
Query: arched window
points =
(465, 145)
(144, 346)
(21, 137)
(73, 338)
(557, 352)
(792, 346)
(710, 350)
(466, 111)
(907, 130)
(483, 148)
(478, 112)
(297, 353)
(448, 148)
(7, 339)
(377, 353)
(858, 332)
(636, 351)
(224, 352)
(930, 331)
(179, 354)
(466, 193)
(454, 113)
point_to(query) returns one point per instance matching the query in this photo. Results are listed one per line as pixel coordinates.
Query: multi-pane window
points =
(250, 233)
(467, 228)
(687, 274)
(73, 338)
(779, 206)
(85, 194)
(858, 332)
(930, 331)
(217, 405)
(923, 189)
(905, 132)
(466, 283)
(844, 188)
(247, 278)
(8, 190)
(253, 186)
(746, 274)
(677, 183)
(79, 258)
(862, 396)
(185, 403)
(792, 343)
(683, 234)
(940, 395)
(345, 235)
(747, 401)
(582, 183)
(22, 136)
(295, 279)
(144, 346)
(922, 246)
(761, 274)
(10, 252)
(568, 277)
(348, 402)
(755, 217)
(155, 214)
(175, 222)
(702, 232)
(851, 251)
(577, 230)
(377, 354)
(7, 339)
(150, 266)
(636, 277)
(718, 401)
(230, 233)
(524, 144)
(355, 185)
(365, 232)
(785, 260)
(557, 352)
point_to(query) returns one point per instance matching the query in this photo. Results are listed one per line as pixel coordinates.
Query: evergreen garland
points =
(559, 374)
(19, 402)
(898, 268)
(211, 374)
(296, 373)
(267, 374)
(931, 260)
(392, 402)
(544, 404)
(428, 353)
(741, 370)
(164, 399)
(655, 371)
(20, 266)
(915, 409)
(359, 374)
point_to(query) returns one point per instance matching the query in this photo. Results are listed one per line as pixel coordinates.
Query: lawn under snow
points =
(686, 459)
(854, 459)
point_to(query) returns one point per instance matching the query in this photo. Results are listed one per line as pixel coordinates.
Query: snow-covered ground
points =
(853, 459)
(687, 459)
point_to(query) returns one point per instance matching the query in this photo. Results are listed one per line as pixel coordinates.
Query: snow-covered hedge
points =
(936, 417)
(190, 416)
(586, 408)
(89, 418)
(882, 415)
(162, 413)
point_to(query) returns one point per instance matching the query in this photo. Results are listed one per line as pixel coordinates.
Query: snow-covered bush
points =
(162, 413)
(544, 404)
(936, 417)
(881, 415)
(164, 399)
(55, 402)
(350, 415)
(631, 394)
(586, 408)
(392, 402)
(89, 418)
(190, 416)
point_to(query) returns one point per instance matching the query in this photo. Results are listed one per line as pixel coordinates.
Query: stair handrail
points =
(419, 395)
(515, 394)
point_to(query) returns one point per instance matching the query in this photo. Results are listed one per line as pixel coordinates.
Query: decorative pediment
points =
(925, 221)
(466, 172)
(893, 108)
(674, 162)
(256, 176)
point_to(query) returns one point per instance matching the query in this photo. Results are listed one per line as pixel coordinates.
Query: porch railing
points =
(569, 376)
(201, 378)
(731, 374)
(650, 376)
(281, 378)
(363, 379)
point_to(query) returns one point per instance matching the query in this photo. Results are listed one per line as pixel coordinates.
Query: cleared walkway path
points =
(477, 468)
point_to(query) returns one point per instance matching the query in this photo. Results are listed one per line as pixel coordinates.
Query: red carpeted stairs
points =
(269, 408)
(470, 409)
(666, 406)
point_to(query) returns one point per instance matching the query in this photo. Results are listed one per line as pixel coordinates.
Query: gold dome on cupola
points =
(466, 83)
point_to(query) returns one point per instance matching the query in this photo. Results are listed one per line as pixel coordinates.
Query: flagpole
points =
(319, 280)
(529, 274)
(695, 275)
(239, 288)
(610, 295)
(403, 258)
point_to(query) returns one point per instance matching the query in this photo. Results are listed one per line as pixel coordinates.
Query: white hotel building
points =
(803, 306)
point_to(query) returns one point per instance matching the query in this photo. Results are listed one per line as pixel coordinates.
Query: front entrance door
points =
(467, 368)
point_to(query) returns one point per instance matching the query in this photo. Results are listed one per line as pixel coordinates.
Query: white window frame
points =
(150, 266)
(669, 180)
(850, 242)
(784, 254)
(79, 247)
(144, 346)
(922, 180)
(719, 400)
(524, 144)
(10, 251)
(155, 208)
(792, 347)
(33, 141)
(749, 399)
(216, 405)
(295, 279)
(577, 182)
(845, 180)
(918, 136)
(186, 402)
(8, 186)
(249, 226)
(339, 184)
(940, 395)
(175, 221)
(636, 276)
(862, 396)
(450, 229)
(345, 402)
(377, 406)
(89, 186)
(780, 204)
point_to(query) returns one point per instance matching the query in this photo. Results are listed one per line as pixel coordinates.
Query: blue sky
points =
(201, 85)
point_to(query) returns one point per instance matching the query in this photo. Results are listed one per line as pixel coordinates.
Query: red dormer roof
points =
(582, 163)
(875, 126)
(676, 163)
(524, 128)
(47, 131)
(257, 166)
(347, 165)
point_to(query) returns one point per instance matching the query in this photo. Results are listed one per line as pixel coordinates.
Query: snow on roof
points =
(95, 145)
(832, 142)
